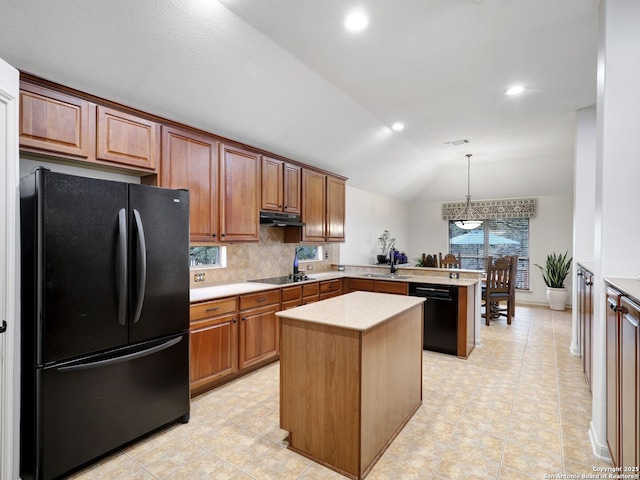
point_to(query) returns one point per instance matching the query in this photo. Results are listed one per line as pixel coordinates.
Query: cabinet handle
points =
(235, 320)
(262, 299)
(214, 235)
(588, 283)
(614, 307)
(224, 235)
(244, 318)
(580, 273)
(213, 309)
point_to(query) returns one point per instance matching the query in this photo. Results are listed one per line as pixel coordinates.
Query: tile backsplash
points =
(269, 257)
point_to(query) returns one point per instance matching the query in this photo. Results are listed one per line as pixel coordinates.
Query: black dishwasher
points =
(440, 316)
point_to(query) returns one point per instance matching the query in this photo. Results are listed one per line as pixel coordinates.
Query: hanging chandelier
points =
(468, 218)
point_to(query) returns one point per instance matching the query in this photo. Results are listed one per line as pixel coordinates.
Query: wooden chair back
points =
(450, 261)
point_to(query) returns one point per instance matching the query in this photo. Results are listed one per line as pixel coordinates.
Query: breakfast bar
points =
(350, 377)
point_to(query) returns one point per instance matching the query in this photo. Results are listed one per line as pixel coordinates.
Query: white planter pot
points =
(557, 298)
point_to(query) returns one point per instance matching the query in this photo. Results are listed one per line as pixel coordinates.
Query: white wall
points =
(550, 231)
(368, 215)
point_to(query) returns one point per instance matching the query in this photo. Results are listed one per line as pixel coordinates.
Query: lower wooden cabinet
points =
(623, 378)
(380, 286)
(258, 335)
(330, 288)
(214, 342)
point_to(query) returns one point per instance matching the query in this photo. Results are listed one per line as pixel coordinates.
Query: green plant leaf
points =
(556, 269)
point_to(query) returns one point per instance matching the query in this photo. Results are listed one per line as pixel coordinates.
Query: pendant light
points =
(468, 218)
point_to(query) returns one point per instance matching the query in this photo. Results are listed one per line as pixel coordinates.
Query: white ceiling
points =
(285, 76)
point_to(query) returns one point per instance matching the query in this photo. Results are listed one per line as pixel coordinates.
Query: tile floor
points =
(518, 408)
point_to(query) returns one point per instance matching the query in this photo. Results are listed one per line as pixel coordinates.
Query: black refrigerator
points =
(105, 317)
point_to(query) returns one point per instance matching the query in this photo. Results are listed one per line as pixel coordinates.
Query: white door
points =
(9, 272)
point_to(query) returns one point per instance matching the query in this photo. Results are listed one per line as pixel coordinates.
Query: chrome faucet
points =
(392, 260)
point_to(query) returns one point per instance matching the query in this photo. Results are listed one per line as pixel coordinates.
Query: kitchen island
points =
(350, 377)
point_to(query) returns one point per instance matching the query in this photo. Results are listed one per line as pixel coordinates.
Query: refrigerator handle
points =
(142, 266)
(122, 266)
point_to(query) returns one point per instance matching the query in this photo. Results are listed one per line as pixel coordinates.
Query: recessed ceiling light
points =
(356, 22)
(517, 90)
(396, 127)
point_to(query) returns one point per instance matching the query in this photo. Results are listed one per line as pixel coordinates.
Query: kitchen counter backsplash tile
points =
(269, 257)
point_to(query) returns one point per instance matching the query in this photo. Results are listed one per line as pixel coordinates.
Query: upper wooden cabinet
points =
(323, 209)
(54, 122)
(239, 194)
(189, 160)
(280, 186)
(335, 209)
(127, 139)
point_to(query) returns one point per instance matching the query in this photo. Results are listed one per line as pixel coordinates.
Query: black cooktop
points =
(299, 277)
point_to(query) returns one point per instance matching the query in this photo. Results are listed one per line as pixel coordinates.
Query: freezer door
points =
(159, 256)
(90, 407)
(78, 239)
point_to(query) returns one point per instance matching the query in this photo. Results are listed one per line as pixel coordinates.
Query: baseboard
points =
(600, 450)
(575, 349)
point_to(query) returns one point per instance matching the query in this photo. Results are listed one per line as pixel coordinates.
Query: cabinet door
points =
(127, 139)
(213, 349)
(398, 288)
(258, 335)
(190, 161)
(54, 122)
(612, 374)
(360, 284)
(629, 396)
(272, 178)
(292, 189)
(335, 209)
(239, 194)
(314, 197)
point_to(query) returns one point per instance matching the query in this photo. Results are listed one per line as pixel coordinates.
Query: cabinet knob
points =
(235, 320)
(214, 235)
(223, 235)
(244, 318)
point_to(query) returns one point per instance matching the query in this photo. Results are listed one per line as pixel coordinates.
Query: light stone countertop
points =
(354, 311)
(241, 288)
(628, 285)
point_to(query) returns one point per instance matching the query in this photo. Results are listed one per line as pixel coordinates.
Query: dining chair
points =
(497, 288)
(513, 275)
(431, 261)
(450, 261)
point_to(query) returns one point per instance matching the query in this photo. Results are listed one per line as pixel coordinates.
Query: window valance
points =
(511, 208)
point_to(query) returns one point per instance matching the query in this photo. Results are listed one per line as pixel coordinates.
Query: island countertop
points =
(355, 311)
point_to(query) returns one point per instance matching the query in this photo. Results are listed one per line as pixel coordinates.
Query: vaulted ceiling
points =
(284, 75)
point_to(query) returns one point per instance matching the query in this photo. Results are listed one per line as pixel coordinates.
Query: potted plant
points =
(386, 242)
(554, 274)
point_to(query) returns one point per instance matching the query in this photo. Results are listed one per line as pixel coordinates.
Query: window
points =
(207, 256)
(309, 253)
(495, 237)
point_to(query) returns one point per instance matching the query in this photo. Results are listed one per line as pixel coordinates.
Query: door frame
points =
(9, 272)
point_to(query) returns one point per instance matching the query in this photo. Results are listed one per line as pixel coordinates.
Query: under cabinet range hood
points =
(280, 219)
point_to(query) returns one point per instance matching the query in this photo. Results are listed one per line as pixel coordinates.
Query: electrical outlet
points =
(326, 254)
(199, 277)
(454, 275)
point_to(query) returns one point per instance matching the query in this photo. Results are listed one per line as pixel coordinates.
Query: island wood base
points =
(345, 394)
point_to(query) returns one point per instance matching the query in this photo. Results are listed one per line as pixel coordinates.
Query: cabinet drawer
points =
(310, 289)
(330, 286)
(259, 299)
(213, 308)
(290, 304)
(291, 293)
(399, 288)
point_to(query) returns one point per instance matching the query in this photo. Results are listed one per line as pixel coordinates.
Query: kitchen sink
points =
(387, 275)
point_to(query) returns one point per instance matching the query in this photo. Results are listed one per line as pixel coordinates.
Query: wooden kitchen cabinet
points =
(310, 292)
(189, 160)
(585, 320)
(323, 209)
(281, 189)
(54, 122)
(239, 194)
(291, 297)
(360, 285)
(127, 139)
(622, 376)
(213, 338)
(386, 286)
(259, 332)
(330, 288)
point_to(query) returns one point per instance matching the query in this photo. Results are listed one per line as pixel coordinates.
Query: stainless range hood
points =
(280, 219)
